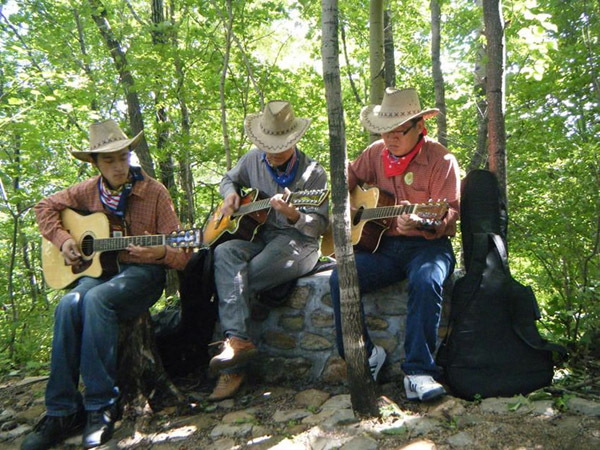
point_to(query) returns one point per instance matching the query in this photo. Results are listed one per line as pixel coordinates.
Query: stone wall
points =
(296, 340)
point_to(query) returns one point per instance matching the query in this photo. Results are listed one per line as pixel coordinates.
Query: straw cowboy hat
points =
(276, 129)
(398, 107)
(106, 137)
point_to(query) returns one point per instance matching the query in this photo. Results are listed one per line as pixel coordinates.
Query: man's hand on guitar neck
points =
(279, 202)
(70, 252)
(147, 252)
(407, 222)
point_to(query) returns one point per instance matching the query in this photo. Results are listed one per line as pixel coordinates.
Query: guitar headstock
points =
(309, 198)
(185, 238)
(431, 210)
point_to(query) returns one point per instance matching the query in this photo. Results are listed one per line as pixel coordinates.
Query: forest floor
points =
(320, 417)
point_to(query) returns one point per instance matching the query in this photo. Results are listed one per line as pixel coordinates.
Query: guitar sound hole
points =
(357, 216)
(87, 246)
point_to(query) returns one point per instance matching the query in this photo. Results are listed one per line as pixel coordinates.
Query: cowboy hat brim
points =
(109, 147)
(375, 123)
(272, 143)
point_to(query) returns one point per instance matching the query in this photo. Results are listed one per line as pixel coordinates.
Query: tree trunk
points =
(376, 62)
(85, 65)
(479, 76)
(243, 52)
(187, 211)
(438, 77)
(348, 67)
(362, 386)
(228, 30)
(495, 90)
(127, 82)
(388, 47)
(167, 172)
(159, 39)
(141, 377)
(479, 157)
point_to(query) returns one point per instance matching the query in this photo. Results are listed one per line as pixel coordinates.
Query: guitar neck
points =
(248, 208)
(121, 243)
(385, 212)
(300, 198)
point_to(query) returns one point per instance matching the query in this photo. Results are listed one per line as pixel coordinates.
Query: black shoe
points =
(53, 429)
(99, 426)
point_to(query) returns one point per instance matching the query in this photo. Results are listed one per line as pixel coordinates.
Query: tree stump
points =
(142, 379)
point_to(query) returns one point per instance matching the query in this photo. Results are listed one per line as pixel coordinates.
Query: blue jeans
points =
(86, 332)
(426, 264)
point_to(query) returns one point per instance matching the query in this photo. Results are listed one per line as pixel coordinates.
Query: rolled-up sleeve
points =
(47, 210)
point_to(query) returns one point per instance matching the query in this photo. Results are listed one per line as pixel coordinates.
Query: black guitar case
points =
(493, 347)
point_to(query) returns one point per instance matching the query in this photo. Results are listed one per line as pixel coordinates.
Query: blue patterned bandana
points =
(284, 178)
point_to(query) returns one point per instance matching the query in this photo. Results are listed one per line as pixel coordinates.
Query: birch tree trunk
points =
(495, 89)
(438, 77)
(362, 386)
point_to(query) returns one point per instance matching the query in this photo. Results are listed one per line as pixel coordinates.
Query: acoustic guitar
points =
(252, 213)
(372, 212)
(98, 249)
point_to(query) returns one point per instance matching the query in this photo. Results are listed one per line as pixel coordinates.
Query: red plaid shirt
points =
(149, 208)
(432, 174)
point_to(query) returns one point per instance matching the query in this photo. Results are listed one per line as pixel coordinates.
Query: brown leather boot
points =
(235, 351)
(227, 386)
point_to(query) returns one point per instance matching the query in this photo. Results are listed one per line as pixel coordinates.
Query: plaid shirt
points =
(432, 174)
(149, 208)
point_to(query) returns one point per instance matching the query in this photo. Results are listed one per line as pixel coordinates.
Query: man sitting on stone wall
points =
(414, 169)
(285, 247)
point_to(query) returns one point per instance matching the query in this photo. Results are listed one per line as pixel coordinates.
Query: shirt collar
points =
(422, 157)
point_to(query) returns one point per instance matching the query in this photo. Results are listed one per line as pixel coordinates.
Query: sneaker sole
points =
(216, 365)
(432, 395)
(428, 396)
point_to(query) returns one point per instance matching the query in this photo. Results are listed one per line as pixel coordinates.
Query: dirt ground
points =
(446, 424)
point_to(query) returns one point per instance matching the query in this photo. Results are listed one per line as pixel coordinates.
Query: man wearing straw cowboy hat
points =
(284, 248)
(86, 318)
(414, 169)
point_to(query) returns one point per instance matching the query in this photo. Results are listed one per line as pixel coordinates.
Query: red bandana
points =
(396, 165)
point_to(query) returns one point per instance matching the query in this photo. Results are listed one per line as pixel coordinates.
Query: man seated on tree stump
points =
(412, 168)
(86, 319)
(284, 248)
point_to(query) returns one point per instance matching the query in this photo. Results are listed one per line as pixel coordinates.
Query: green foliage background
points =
(56, 78)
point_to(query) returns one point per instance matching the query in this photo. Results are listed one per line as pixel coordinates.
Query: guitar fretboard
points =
(121, 243)
(300, 198)
(387, 211)
(248, 208)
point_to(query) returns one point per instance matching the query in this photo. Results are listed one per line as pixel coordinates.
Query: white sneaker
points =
(422, 387)
(376, 360)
